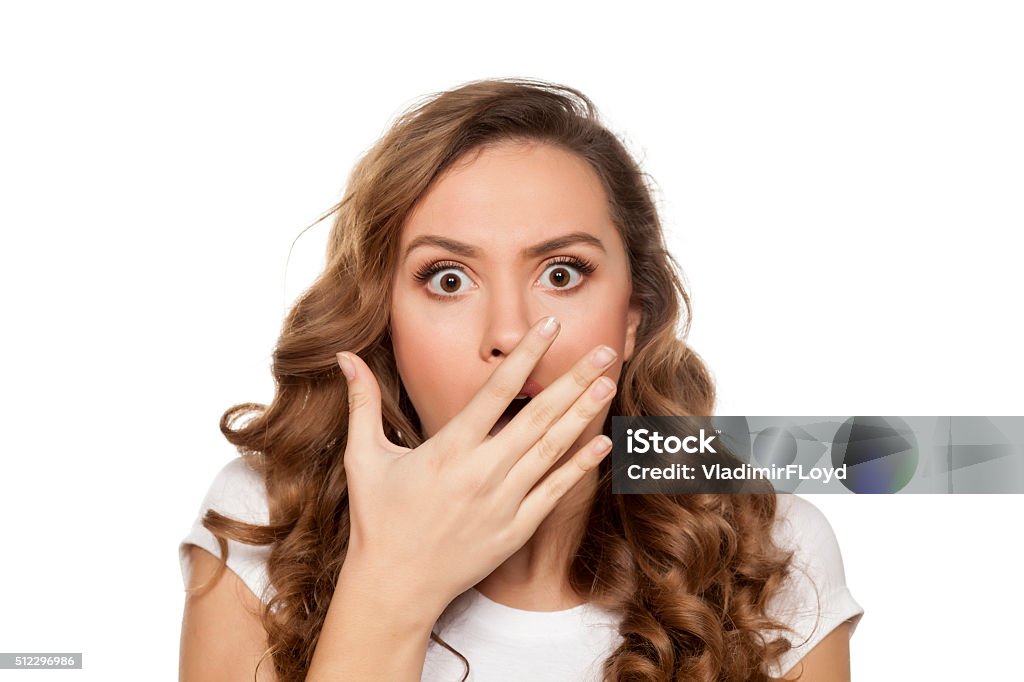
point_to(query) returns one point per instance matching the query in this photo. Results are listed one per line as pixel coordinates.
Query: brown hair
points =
(690, 574)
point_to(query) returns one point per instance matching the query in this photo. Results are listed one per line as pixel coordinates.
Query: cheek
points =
(586, 329)
(430, 357)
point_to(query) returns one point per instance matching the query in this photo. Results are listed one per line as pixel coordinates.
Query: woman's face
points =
(499, 241)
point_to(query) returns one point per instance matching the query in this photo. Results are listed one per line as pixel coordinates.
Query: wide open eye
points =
(449, 282)
(562, 276)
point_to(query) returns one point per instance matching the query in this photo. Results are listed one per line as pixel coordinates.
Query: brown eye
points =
(448, 282)
(561, 276)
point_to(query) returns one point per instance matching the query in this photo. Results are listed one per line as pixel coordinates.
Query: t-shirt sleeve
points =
(815, 598)
(240, 493)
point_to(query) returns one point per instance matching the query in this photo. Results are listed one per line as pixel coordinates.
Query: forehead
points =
(513, 193)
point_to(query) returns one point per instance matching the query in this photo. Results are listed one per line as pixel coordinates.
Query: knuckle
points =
(357, 401)
(541, 414)
(510, 537)
(450, 439)
(581, 377)
(500, 388)
(435, 466)
(558, 488)
(580, 465)
(505, 536)
(475, 481)
(585, 410)
(548, 451)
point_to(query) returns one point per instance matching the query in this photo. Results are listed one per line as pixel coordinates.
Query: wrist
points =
(372, 630)
(390, 596)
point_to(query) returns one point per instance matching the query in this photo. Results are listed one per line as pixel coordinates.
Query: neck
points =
(536, 577)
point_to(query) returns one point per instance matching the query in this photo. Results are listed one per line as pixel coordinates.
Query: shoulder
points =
(814, 599)
(238, 492)
(802, 528)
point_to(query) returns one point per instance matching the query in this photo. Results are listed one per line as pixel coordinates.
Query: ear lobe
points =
(633, 317)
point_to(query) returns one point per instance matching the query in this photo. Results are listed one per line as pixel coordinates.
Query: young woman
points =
(428, 495)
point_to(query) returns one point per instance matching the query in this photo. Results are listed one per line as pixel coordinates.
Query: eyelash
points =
(585, 267)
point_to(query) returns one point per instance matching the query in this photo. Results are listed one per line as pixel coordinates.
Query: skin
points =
(447, 351)
(502, 201)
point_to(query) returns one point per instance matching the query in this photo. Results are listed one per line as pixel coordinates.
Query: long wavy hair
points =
(691, 575)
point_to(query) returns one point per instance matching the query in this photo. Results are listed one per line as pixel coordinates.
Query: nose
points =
(509, 317)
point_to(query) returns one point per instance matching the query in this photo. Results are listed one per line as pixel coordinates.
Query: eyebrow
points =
(469, 251)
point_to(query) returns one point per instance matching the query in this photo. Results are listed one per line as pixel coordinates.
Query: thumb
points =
(365, 424)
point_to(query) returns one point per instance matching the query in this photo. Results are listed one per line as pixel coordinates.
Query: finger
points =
(365, 424)
(534, 420)
(505, 382)
(536, 506)
(525, 471)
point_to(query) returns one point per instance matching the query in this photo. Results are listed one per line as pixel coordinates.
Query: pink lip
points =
(531, 388)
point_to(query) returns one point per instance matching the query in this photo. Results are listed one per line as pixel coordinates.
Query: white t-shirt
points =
(504, 643)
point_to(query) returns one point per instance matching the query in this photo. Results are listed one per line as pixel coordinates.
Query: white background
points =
(841, 185)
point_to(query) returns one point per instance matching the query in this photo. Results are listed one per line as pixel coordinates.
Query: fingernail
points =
(602, 444)
(547, 330)
(603, 388)
(602, 356)
(347, 368)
